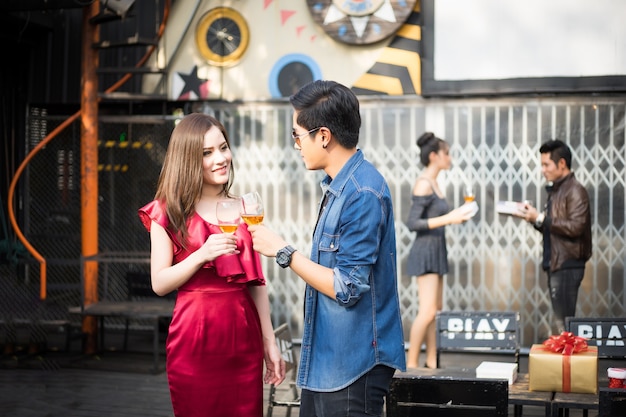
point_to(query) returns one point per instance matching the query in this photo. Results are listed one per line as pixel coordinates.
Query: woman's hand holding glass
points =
(467, 210)
(252, 211)
(219, 244)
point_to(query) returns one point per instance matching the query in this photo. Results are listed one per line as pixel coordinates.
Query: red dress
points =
(214, 349)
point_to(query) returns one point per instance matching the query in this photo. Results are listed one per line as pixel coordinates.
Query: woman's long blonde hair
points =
(181, 179)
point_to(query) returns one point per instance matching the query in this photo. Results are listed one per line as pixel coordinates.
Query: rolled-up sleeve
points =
(349, 289)
(362, 220)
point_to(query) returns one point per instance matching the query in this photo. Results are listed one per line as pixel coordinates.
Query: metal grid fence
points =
(494, 259)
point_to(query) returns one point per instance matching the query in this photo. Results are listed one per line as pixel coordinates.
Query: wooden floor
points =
(82, 393)
(57, 383)
(86, 393)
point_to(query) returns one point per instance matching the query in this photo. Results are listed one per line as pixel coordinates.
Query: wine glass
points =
(252, 208)
(228, 215)
(468, 193)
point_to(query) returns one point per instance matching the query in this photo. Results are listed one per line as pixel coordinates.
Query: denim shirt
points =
(346, 336)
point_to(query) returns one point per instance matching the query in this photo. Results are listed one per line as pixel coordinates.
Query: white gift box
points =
(497, 370)
(510, 207)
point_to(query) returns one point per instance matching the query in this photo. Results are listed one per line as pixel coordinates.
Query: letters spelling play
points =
(614, 335)
(483, 329)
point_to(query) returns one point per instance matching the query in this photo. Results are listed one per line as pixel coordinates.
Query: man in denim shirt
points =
(352, 340)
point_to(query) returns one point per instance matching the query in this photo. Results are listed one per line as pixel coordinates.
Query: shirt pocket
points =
(327, 248)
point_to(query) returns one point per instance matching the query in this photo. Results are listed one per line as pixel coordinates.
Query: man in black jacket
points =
(566, 227)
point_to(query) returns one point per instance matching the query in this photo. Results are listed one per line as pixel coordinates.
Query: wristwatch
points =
(539, 220)
(283, 256)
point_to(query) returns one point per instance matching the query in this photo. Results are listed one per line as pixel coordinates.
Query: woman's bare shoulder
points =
(422, 187)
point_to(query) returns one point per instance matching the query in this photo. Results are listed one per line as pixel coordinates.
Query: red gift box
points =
(563, 363)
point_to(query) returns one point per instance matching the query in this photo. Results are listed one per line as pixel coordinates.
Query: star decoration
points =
(193, 84)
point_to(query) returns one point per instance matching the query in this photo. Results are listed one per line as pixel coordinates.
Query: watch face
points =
(282, 258)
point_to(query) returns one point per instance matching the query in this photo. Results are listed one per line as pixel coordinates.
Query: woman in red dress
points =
(221, 331)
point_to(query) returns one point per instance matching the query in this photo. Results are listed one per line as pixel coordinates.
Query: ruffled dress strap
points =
(244, 268)
(153, 211)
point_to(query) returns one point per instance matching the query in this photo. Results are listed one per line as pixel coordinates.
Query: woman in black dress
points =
(428, 260)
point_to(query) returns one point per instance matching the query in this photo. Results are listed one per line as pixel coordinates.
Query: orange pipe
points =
(43, 143)
(89, 171)
(18, 173)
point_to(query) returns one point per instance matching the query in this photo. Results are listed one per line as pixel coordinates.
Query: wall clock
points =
(222, 36)
(360, 22)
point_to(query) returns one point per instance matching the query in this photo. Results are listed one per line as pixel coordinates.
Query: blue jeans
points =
(364, 397)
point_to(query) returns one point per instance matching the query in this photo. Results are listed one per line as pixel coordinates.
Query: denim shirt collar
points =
(335, 186)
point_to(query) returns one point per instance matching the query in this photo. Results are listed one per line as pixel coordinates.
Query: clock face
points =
(360, 22)
(222, 36)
